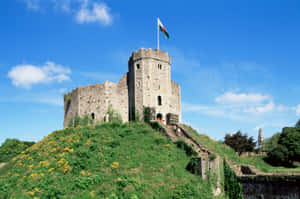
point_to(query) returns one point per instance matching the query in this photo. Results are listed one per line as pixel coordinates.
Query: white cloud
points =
(240, 106)
(262, 109)
(298, 110)
(99, 12)
(241, 98)
(27, 75)
(32, 4)
(84, 11)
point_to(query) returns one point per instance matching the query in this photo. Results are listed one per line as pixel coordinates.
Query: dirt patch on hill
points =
(2, 165)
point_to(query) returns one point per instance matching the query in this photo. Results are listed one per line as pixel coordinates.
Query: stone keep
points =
(147, 84)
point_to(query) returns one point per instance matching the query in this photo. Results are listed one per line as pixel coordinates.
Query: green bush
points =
(233, 189)
(288, 149)
(194, 166)
(187, 148)
(156, 125)
(147, 114)
(212, 156)
(113, 115)
(11, 148)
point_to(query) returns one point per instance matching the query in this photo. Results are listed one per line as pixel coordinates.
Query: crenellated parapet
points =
(150, 54)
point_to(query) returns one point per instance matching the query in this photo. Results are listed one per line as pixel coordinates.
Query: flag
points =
(162, 28)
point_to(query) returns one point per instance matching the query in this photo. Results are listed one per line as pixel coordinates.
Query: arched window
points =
(93, 116)
(159, 101)
(159, 66)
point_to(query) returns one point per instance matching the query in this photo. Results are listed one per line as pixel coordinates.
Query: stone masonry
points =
(147, 84)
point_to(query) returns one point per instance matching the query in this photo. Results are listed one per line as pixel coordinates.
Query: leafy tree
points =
(272, 142)
(298, 123)
(240, 142)
(288, 148)
(12, 147)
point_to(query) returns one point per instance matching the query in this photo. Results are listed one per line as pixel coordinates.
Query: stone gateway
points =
(147, 84)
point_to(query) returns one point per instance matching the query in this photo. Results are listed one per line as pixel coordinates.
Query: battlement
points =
(152, 54)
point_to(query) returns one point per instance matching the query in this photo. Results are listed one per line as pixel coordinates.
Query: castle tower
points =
(150, 84)
(260, 140)
(147, 84)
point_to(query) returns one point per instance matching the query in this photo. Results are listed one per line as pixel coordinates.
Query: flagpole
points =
(157, 35)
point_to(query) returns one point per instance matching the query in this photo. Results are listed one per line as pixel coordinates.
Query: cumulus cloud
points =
(262, 109)
(84, 11)
(242, 98)
(99, 12)
(32, 4)
(27, 75)
(298, 110)
(240, 107)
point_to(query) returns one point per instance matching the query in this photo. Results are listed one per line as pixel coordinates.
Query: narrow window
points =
(138, 66)
(159, 66)
(159, 100)
(93, 116)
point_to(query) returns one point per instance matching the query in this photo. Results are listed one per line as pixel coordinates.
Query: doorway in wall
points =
(159, 117)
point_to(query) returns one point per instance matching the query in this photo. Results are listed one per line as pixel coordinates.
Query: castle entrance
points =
(159, 117)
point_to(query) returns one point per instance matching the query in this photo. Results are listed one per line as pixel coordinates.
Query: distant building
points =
(147, 84)
(260, 140)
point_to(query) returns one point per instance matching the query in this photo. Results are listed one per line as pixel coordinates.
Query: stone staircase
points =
(179, 132)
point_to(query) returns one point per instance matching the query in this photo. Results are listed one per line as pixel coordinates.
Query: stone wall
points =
(96, 99)
(71, 106)
(175, 105)
(270, 187)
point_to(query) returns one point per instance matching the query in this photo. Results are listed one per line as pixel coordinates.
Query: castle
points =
(147, 84)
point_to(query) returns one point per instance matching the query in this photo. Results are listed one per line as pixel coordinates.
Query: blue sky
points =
(237, 61)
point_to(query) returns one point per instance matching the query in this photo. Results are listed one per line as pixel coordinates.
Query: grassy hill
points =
(107, 161)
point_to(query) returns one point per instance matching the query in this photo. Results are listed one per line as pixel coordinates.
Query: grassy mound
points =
(229, 154)
(108, 161)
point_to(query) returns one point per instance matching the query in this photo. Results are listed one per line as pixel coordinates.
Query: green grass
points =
(107, 161)
(229, 154)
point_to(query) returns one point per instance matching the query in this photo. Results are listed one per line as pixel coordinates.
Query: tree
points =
(240, 143)
(288, 148)
(272, 142)
(298, 123)
(12, 147)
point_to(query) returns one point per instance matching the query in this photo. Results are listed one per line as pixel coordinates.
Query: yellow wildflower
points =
(82, 172)
(114, 165)
(92, 194)
(61, 154)
(36, 189)
(45, 163)
(69, 150)
(61, 162)
(30, 193)
(33, 175)
(50, 170)
(31, 166)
